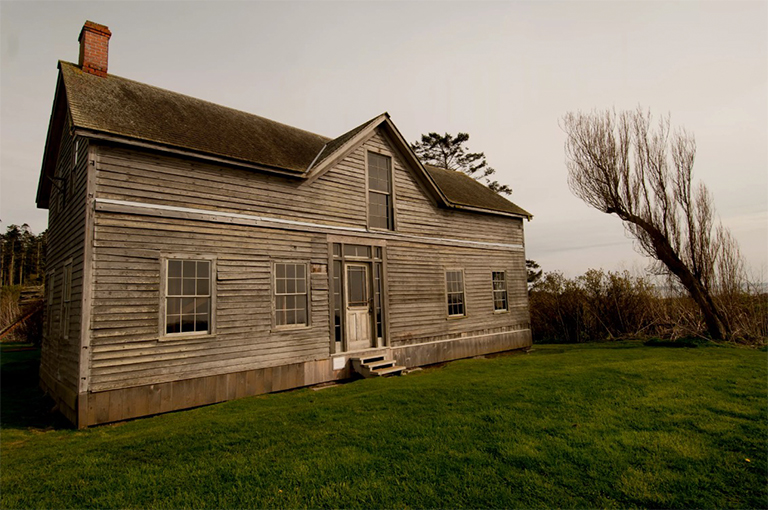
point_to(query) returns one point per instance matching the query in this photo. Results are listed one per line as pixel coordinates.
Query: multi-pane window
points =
(291, 294)
(337, 297)
(188, 296)
(499, 291)
(454, 281)
(66, 299)
(357, 250)
(380, 191)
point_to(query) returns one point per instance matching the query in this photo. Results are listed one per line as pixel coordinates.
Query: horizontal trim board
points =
(188, 213)
(484, 335)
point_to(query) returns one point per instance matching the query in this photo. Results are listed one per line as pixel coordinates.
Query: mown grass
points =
(600, 425)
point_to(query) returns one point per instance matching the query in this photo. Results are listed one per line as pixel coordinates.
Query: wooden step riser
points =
(376, 366)
(380, 364)
(371, 359)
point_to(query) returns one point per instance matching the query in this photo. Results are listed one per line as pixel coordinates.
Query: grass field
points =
(593, 425)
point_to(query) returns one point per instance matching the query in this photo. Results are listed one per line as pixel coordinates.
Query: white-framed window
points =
(380, 214)
(188, 296)
(291, 288)
(500, 303)
(454, 284)
(66, 299)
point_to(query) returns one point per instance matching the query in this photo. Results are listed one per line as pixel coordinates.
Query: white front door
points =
(358, 307)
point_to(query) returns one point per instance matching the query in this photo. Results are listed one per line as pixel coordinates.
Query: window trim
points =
(463, 293)
(494, 291)
(66, 300)
(186, 335)
(368, 191)
(273, 291)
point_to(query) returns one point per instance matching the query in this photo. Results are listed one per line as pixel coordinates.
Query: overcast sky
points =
(504, 72)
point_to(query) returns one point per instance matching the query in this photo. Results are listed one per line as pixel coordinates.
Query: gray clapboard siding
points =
(60, 356)
(417, 296)
(417, 215)
(337, 198)
(126, 348)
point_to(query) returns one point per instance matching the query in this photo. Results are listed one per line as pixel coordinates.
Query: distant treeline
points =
(22, 261)
(600, 305)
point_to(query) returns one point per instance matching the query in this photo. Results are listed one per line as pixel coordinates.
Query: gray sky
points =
(504, 72)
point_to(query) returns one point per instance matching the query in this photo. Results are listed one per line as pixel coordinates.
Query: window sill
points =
(186, 336)
(455, 317)
(291, 327)
(500, 311)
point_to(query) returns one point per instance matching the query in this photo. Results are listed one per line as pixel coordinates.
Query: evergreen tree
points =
(448, 151)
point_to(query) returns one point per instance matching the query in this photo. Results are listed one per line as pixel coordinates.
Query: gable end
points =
(56, 125)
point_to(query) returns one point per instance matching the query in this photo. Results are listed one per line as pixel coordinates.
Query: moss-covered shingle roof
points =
(134, 110)
(128, 109)
(461, 189)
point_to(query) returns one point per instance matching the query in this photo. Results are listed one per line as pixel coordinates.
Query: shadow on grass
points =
(680, 342)
(23, 404)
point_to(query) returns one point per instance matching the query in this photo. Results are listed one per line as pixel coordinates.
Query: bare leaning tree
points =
(623, 164)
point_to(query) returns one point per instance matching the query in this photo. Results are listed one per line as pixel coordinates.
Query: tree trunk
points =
(10, 268)
(716, 326)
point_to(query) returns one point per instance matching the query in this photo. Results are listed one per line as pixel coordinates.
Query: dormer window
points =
(380, 192)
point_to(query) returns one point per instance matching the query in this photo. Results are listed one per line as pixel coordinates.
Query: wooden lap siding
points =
(337, 198)
(417, 292)
(126, 349)
(130, 359)
(417, 214)
(125, 345)
(60, 357)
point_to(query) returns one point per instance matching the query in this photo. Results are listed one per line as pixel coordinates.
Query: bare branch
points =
(620, 164)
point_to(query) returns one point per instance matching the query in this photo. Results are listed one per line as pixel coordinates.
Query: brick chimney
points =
(94, 48)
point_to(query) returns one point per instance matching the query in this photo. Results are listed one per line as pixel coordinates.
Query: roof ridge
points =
(217, 105)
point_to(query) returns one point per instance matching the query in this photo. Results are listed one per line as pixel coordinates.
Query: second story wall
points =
(337, 198)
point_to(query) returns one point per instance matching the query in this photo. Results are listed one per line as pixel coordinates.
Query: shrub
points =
(600, 305)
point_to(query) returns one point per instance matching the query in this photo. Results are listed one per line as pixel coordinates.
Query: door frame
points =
(369, 302)
(377, 246)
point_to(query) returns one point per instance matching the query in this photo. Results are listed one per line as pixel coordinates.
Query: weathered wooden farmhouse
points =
(199, 254)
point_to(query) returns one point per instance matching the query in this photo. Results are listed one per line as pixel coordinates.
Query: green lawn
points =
(596, 425)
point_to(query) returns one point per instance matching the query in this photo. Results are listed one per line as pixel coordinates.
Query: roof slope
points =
(136, 111)
(131, 109)
(461, 189)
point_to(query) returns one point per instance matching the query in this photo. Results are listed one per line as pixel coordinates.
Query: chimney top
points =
(94, 48)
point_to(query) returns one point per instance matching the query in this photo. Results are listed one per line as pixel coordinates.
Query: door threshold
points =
(359, 351)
